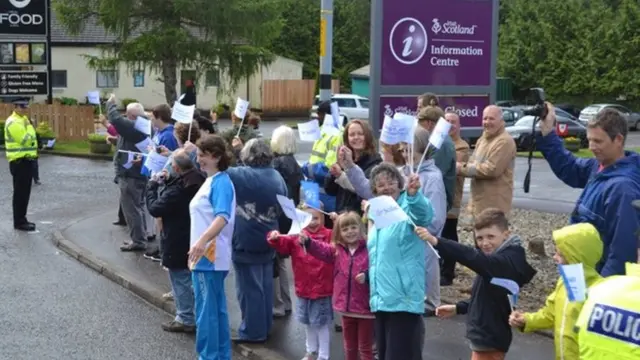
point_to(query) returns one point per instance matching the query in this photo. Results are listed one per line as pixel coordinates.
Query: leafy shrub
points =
(127, 101)
(44, 131)
(68, 101)
(97, 138)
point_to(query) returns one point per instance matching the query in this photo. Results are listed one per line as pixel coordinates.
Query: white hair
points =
(135, 109)
(283, 140)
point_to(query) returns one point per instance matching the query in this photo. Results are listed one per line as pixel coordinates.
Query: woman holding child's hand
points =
(517, 320)
(424, 234)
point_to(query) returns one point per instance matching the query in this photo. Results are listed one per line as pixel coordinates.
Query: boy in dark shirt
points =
(498, 255)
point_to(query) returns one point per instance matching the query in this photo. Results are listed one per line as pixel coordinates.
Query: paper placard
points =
(182, 113)
(93, 97)
(311, 193)
(129, 163)
(303, 220)
(384, 211)
(288, 207)
(395, 130)
(241, 108)
(508, 284)
(51, 143)
(328, 128)
(309, 131)
(144, 145)
(335, 115)
(440, 132)
(574, 282)
(411, 122)
(155, 162)
(143, 125)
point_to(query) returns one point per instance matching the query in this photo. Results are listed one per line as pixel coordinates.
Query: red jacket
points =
(313, 278)
(349, 296)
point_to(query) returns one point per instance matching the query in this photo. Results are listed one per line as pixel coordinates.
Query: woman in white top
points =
(212, 213)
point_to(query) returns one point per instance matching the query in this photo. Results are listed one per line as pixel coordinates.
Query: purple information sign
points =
(469, 108)
(437, 42)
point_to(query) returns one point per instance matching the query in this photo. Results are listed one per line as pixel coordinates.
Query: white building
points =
(73, 79)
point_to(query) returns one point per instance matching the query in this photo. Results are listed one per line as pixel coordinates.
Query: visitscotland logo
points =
(452, 28)
(19, 4)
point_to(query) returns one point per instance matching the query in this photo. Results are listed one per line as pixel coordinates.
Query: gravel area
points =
(534, 228)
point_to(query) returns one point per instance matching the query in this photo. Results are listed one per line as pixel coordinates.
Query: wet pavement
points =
(444, 340)
(52, 306)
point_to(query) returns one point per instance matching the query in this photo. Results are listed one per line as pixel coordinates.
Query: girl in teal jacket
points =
(397, 267)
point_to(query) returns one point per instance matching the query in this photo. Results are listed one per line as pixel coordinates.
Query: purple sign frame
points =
(469, 108)
(445, 47)
(448, 45)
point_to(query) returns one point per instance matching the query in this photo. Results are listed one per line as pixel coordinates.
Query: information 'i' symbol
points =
(408, 41)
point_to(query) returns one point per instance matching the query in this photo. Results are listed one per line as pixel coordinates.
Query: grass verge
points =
(583, 153)
(76, 148)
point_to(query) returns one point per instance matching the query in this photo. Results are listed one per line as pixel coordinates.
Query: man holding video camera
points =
(611, 182)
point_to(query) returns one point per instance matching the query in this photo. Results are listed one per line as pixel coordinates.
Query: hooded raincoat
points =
(578, 243)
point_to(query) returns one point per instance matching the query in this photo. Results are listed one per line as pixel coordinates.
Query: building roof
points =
(362, 73)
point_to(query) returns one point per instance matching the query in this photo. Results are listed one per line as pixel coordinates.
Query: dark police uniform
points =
(21, 146)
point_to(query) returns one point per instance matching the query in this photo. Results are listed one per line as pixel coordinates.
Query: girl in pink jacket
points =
(348, 253)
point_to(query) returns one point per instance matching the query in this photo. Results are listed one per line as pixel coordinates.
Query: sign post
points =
(447, 47)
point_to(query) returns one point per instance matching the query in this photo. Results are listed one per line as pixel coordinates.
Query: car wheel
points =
(345, 121)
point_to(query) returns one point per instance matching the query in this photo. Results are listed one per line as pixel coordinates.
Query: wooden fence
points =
(67, 122)
(291, 96)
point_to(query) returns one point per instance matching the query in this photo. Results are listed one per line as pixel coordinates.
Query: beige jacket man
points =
(491, 165)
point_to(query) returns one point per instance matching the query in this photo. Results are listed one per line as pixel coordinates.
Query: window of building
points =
(212, 78)
(138, 78)
(107, 79)
(59, 78)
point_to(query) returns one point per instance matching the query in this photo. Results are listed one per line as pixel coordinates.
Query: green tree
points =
(352, 33)
(231, 36)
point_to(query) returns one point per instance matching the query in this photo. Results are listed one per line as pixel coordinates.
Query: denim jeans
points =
(183, 296)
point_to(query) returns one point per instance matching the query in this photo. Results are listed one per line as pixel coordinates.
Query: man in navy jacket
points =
(611, 182)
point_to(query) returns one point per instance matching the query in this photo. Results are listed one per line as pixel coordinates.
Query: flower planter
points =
(99, 147)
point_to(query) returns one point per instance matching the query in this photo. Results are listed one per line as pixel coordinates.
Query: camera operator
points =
(611, 181)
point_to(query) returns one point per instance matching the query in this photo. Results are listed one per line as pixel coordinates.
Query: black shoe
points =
(238, 340)
(37, 182)
(153, 255)
(132, 247)
(446, 282)
(151, 238)
(337, 327)
(119, 223)
(25, 226)
(178, 327)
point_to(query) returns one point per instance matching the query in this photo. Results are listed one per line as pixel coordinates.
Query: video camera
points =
(539, 109)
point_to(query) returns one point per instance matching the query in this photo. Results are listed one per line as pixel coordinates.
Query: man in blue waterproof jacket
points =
(611, 182)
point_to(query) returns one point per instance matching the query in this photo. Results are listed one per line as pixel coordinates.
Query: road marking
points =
(46, 222)
(34, 232)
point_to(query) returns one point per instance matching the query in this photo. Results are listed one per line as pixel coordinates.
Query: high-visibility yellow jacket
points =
(609, 324)
(323, 155)
(578, 244)
(20, 139)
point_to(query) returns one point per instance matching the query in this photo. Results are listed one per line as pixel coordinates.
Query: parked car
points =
(521, 131)
(351, 107)
(506, 103)
(569, 108)
(510, 115)
(633, 118)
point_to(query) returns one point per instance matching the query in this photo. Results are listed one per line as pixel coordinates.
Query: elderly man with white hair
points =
(128, 177)
(491, 165)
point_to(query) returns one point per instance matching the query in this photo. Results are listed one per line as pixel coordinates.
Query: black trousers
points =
(22, 172)
(450, 231)
(399, 335)
(121, 215)
(36, 170)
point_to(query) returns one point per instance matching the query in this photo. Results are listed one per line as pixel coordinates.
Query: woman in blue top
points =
(213, 211)
(397, 267)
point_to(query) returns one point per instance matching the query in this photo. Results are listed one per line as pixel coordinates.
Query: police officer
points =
(21, 147)
(609, 324)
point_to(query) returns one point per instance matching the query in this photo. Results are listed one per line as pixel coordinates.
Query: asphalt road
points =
(55, 308)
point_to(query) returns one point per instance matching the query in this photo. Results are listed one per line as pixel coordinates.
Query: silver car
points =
(633, 118)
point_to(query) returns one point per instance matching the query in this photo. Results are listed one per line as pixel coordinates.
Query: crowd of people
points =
(214, 207)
